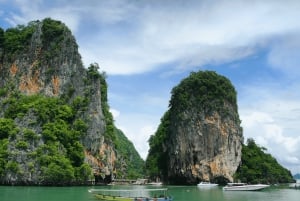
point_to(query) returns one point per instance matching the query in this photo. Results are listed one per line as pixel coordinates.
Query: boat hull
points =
(255, 187)
(116, 198)
(206, 185)
(132, 194)
(112, 198)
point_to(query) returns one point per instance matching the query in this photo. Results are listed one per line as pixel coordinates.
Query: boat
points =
(155, 183)
(244, 187)
(295, 185)
(204, 184)
(155, 194)
(140, 182)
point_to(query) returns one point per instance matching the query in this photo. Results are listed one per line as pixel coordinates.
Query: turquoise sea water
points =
(180, 193)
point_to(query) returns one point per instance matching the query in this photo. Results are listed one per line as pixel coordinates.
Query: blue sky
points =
(147, 47)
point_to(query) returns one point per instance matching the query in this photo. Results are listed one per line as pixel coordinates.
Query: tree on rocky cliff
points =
(207, 88)
(156, 163)
(260, 167)
(188, 144)
(16, 39)
(60, 158)
(55, 123)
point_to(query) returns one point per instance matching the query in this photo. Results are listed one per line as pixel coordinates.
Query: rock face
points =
(203, 138)
(44, 60)
(208, 148)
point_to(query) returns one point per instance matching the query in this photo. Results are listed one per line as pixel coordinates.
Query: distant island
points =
(297, 176)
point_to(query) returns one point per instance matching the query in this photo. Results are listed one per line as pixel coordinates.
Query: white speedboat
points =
(244, 187)
(204, 184)
(155, 183)
(295, 185)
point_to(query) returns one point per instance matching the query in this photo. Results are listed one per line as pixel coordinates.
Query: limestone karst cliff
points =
(199, 137)
(54, 112)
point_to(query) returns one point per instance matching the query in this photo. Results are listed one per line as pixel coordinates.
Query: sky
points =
(147, 47)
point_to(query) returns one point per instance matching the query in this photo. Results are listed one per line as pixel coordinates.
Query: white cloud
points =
(115, 113)
(256, 117)
(285, 55)
(272, 135)
(39, 9)
(138, 128)
(139, 114)
(293, 160)
(271, 118)
(130, 38)
(194, 34)
(108, 12)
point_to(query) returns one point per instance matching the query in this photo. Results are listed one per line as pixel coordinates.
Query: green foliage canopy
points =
(7, 128)
(156, 162)
(206, 89)
(260, 167)
(57, 120)
(93, 74)
(14, 40)
(3, 155)
(135, 165)
(61, 157)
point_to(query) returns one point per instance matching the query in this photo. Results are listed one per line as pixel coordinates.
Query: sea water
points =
(179, 193)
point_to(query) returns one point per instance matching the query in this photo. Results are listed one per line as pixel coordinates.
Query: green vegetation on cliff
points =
(134, 164)
(60, 155)
(134, 168)
(14, 40)
(56, 151)
(206, 92)
(42, 137)
(260, 167)
(93, 74)
(203, 91)
(156, 162)
(206, 89)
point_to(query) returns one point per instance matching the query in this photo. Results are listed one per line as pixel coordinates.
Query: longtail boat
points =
(156, 194)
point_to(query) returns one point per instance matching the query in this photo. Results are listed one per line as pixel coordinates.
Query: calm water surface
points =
(180, 193)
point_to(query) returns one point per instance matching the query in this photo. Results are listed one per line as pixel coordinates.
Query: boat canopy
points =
(131, 192)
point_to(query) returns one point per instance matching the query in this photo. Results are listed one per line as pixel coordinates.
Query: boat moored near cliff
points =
(244, 187)
(156, 194)
(204, 184)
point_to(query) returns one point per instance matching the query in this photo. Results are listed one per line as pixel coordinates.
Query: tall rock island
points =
(199, 137)
(55, 124)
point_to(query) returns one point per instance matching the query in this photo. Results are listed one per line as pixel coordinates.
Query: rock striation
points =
(202, 137)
